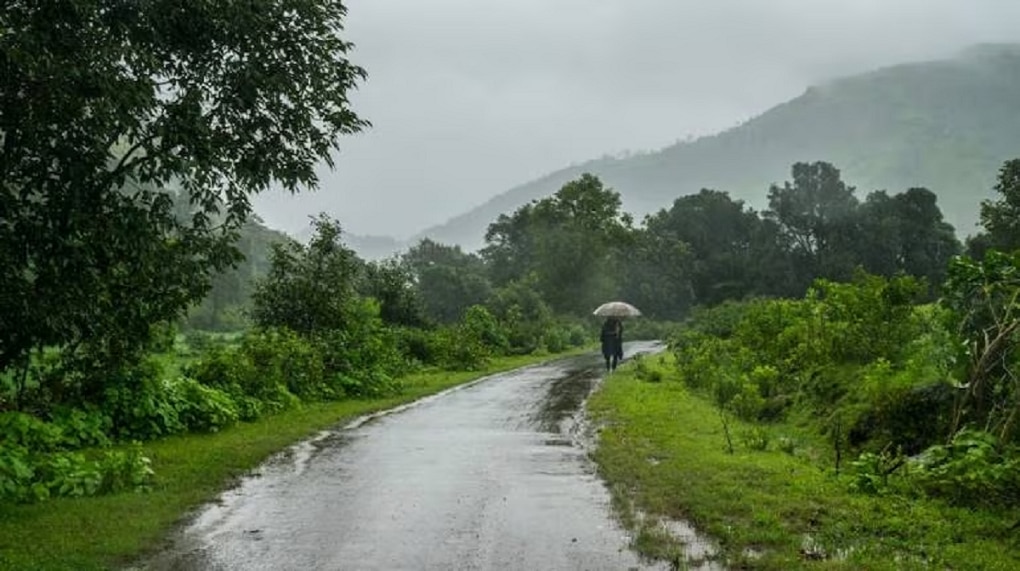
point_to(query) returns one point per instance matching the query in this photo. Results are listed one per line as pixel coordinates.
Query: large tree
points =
(310, 289)
(906, 233)
(447, 279)
(103, 104)
(565, 240)
(817, 212)
(719, 232)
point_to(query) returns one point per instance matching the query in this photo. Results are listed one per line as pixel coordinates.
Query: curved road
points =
(491, 475)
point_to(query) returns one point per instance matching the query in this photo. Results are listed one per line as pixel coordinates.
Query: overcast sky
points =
(471, 97)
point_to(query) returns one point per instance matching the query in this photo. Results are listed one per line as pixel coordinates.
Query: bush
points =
(480, 324)
(125, 470)
(970, 471)
(20, 430)
(31, 476)
(417, 346)
(204, 409)
(578, 336)
(81, 428)
(648, 371)
(458, 348)
(556, 339)
(253, 371)
(140, 403)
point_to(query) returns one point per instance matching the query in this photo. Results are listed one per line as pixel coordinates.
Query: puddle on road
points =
(563, 399)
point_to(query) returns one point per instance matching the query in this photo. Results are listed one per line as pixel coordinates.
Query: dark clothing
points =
(612, 342)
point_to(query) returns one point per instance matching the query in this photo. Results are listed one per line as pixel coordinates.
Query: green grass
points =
(105, 532)
(663, 452)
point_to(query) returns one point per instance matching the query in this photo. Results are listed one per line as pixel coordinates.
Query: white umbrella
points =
(617, 309)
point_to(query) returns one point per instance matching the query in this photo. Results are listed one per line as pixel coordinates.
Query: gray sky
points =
(471, 97)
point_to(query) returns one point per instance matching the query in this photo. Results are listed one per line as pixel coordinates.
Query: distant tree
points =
(391, 283)
(448, 280)
(565, 241)
(1001, 217)
(719, 233)
(817, 213)
(103, 105)
(310, 289)
(657, 269)
(906, 233)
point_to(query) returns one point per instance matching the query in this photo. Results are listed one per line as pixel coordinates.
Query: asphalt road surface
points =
(492, 475)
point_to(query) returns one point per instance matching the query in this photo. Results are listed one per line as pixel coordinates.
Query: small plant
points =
(125, 470)
(871, 471)
(755, 438)
(647, 371)
(787, 445)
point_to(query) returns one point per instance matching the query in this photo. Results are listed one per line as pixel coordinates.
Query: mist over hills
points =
(945, 125)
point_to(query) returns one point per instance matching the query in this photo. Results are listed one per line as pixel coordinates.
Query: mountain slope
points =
(945, 125)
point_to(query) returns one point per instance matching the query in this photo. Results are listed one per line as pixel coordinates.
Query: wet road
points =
(487, 476)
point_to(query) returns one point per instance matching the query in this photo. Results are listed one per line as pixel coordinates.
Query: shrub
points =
(80, 428)
(20, 430)
(647, 371)
(969, 471)
(204, 409)
(556, 339)
(416, 345)
(27, 477)
(480, 324)
(755, 438)
(459, 349)
(125, 470)
(141, 403)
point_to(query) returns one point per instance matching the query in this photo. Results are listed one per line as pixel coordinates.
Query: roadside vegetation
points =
(84, 533)
(157, 340)
(856, 427)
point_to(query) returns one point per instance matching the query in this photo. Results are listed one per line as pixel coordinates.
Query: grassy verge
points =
(664, 453)
(103, 532)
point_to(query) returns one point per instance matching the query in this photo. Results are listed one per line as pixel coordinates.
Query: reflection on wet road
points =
(485, 477)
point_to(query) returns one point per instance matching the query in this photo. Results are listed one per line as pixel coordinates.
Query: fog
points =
(471, 97)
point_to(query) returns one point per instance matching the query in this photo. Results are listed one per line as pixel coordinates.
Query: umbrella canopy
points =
(617, 309)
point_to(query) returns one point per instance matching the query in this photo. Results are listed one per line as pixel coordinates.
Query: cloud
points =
(471, 97)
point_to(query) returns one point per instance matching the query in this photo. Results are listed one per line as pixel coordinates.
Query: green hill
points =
(945, 125)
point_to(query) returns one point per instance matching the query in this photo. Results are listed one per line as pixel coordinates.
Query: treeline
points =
(915, 399)
(578, 248)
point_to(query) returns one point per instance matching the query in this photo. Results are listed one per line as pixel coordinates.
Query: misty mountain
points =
(945, 125)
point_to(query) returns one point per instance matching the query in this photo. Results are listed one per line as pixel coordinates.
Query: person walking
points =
(612, 342)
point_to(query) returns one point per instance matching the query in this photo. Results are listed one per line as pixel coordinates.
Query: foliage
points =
(999, 217)
(124, 174)
(563, 243)
(661, 450)
(391, 284)
(202, 408)
(309, 289)
(447, 280)
(523, 314)
(970, 470)
(983, 298)
(37, 461)
(860, 354)
(815, 212)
